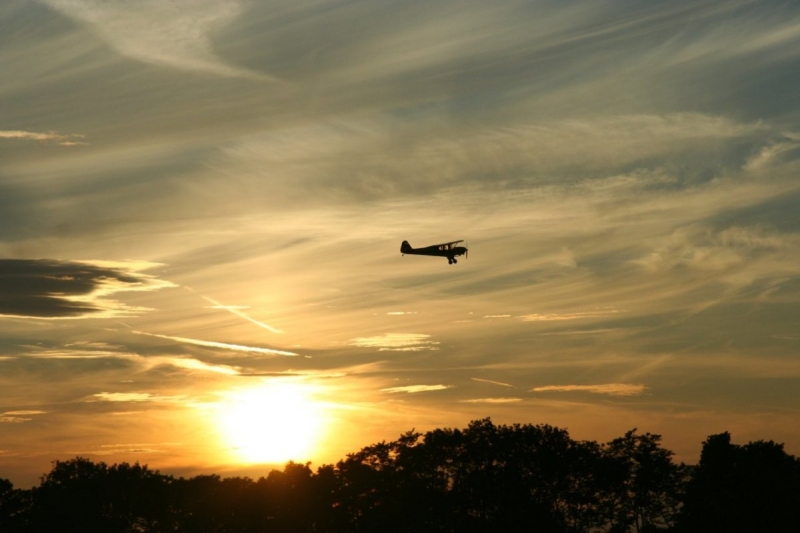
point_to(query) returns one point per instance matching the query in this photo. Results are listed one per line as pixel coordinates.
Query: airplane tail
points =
(405, 248)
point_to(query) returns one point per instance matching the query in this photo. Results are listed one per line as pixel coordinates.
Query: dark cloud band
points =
(47, 288)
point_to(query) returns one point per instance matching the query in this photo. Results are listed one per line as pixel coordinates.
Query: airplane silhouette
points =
(448, 250)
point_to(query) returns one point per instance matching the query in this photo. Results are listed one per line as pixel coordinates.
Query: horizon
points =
(255, 472)
(202, 205)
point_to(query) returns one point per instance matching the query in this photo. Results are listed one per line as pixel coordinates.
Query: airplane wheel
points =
(455, 260)
(449, 262)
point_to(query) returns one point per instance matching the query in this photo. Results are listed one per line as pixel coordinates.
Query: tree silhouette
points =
(508, 477)
(484, 478)
(14, 507)
(478, 479)
(643, 486)
(389, 487)
(79, 495)
(755, 487)
(293, 498)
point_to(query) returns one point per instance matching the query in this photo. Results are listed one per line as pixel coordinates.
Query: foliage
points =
(481, 478)
(755, 487)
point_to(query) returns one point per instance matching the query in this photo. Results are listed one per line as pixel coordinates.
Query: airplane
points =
(448, 250)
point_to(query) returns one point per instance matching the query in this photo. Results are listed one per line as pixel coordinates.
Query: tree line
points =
(484, 478)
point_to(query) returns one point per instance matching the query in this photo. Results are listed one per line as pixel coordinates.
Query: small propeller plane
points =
(448, 250)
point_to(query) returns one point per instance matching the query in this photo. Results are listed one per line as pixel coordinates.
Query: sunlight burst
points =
(272, 423)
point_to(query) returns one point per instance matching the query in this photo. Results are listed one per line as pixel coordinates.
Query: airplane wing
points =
(448, 244)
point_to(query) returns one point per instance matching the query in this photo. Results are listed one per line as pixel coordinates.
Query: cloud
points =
(85, 353)
(16, 417)
(548, 317)
(63, 140)
(706, 250)
(413, 389)
(92, 345)
(500, 383)
(772, 154)
(53, 289)
(55, 353)
(492, 400)
(773, 40)
(397, 342)
(222, 345)
(133, 397)
(176, 34)
(594, 331)
(113, 449)
(519, 153)
(195, 364)
(12, 419)
(612, 389)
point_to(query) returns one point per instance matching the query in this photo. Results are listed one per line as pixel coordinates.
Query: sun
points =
(274, 422)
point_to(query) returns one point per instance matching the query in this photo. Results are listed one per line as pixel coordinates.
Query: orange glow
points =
(272, 423)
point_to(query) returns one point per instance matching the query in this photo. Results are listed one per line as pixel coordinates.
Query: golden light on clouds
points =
(411, 389)
(397, 342)
(273, 422)
(612, 389)
(242, 191)
(549, 317)
(493, 400)
(18, 416)
(133, 397)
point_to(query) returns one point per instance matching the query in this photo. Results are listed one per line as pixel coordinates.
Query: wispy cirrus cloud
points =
(550, 317)
(176, 34)
(705, 250)
(55, 353)
(397, 342)
(113, 449)
(515, 153)
(611, 389)
(69, 139)
(53, 289)
(84, 352)
(492, 400)
(500, 383)
(189, 363)
(133, 397)
(16, 417)
(12, 419)
(413, 389)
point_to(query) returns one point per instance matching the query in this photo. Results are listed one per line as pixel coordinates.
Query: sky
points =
(202, 204)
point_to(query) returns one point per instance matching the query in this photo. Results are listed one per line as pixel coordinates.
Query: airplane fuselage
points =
(448, 250)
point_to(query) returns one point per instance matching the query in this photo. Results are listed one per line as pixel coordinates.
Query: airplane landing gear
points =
(450, 261)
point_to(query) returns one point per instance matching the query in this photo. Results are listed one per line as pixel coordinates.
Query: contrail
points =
(223, 345)
(234, 310)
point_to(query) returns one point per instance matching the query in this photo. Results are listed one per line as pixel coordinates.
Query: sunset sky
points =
(202, 204)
